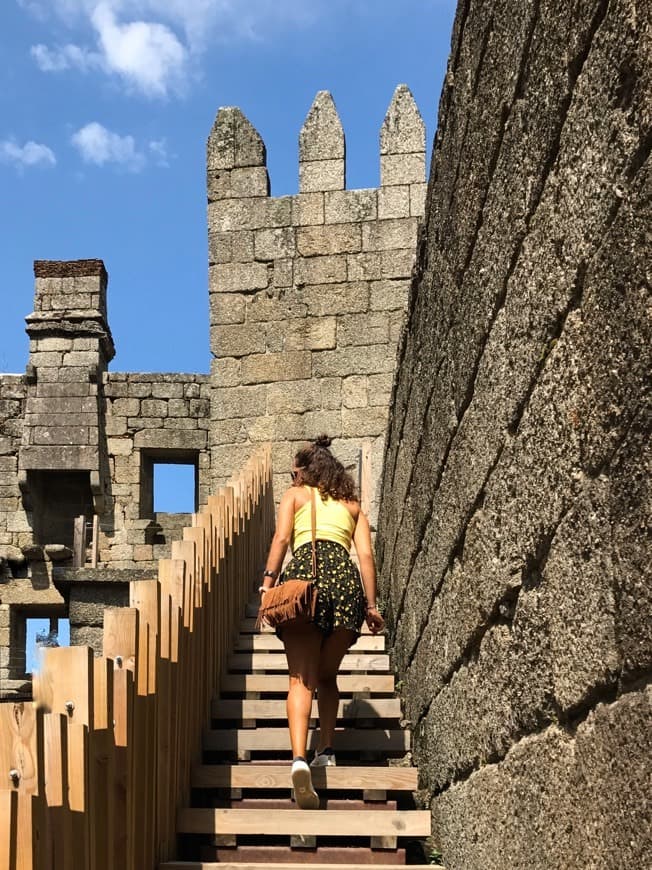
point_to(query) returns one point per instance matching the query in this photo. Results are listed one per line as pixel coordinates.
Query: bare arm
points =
(363, 547)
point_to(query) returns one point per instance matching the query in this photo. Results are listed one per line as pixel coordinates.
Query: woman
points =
(315, 649)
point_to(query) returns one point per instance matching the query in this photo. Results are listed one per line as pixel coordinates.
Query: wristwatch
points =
(272, 574)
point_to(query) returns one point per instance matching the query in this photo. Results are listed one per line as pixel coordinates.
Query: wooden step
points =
(330, 823)
(267, 641)
(277, 739)
(277, 776)
(326, 803)
(278, 683)
(366, 708)
(247, 865)
(342, 856)
(248, 626)
(278, 662)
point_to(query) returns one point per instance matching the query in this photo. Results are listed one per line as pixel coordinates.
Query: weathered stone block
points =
(261, 309)
(169, 390)
(245, 401)
(271, 367)
(321, 175)
(231, 247)
(238, 277)
(402, 169)
(249, 214)
(238, 340)
(403, 130)
(389, 234)
(350, 206)
(331, 393)
(120, 446)
(418, 199)
(227, 308)
(275, 243)
(329, 239)
(170, 439)
(354, 391)
(364, 267)
(331, 299)
(125, 407)
(61, 435)
(363, 329)
(341, 362)
(320, 270)
(293, 397)
(363, 422)
(87, 636)
(388, 295)
(310, 333)
(307, 209)
(394, 202)
(81, 358)
(283, 273)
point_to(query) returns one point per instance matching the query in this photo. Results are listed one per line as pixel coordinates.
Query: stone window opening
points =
(41, 632)
(169, 490)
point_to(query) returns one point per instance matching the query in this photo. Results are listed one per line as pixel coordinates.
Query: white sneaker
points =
(324, 759)
(304, 793)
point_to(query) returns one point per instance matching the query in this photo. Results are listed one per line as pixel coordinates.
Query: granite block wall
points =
(514, 525)
(308, 292)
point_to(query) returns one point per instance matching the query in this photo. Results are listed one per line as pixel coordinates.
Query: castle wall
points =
(308, 292)
(515, 508)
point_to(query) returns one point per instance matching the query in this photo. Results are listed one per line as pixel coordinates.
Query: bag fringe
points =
(294, 599)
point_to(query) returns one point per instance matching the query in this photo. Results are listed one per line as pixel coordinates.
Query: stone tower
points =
(308, 292)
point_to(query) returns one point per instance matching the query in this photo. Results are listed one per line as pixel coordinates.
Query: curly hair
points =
(318, 467)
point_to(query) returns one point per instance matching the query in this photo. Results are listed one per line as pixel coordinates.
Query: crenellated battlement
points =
(307, 292)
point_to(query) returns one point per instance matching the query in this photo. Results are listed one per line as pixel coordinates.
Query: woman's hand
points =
(374, 620)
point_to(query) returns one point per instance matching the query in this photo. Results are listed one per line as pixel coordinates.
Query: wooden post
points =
(95, 541)
(79, 543)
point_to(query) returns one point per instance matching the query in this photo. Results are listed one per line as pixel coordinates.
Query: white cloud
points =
(29, 154)
(147, 55)
(65, 57)
(152, 45)
(99, 146)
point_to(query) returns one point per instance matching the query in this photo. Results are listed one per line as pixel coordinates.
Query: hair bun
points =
(322, 441)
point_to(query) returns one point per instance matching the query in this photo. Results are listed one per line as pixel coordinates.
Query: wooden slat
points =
(258, 739)
(278, 662)
(372, 708)
(277, 776)
(270, 642)
(334, 823)
(278, 683)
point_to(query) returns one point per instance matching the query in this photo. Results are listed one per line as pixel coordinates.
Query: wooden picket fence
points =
(93, 772)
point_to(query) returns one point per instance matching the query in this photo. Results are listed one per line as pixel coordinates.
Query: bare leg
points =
(328, 696)
(302, 648)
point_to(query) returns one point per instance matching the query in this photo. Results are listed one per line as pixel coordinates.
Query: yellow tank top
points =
(334, 522)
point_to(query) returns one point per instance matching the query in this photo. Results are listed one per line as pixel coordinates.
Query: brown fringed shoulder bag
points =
(293, 601)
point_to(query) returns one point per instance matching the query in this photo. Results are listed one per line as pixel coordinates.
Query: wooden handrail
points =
(101, 761)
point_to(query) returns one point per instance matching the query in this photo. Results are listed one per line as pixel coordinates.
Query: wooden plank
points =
(275, 855)
(273, 865)
(79, 542)
(248, 626)
(277, 776)
(278, 662)
(8, 828)
(278, 683)
(65, 683)
(18, 746)
(270, 642)
(120, 636)
(346, 740)
(371, 708)
(334, 823)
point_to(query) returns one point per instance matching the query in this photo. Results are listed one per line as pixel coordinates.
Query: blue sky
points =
(106, 106)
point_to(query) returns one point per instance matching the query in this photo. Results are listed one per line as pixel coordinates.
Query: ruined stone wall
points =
(514, 523)
(307, 292)
(13, 391)
(150, 418)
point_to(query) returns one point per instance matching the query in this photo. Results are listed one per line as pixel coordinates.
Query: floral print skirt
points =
(340, 598)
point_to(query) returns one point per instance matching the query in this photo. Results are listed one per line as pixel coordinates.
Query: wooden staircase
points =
(243, 816)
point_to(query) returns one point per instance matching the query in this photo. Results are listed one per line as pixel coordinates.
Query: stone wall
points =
(307, 292)
(515, 508)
